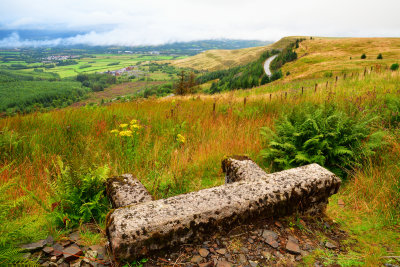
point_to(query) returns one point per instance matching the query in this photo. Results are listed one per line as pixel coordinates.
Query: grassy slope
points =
(321, 55)
(169, 168)
(222, 59)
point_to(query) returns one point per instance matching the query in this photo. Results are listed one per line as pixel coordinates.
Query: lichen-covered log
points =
(238, 168)
(136, 230)
(126, 190)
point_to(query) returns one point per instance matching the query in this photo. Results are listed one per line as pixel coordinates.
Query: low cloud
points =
(152, 22)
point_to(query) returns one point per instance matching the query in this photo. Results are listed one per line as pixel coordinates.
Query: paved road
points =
(267, 63)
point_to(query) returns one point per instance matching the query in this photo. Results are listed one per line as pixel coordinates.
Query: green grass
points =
(98, 64)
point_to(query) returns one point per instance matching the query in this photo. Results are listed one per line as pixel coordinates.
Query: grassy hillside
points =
(176, 146)
(326, 56)
(222, 59)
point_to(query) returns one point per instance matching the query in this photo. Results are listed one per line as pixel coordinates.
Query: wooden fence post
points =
(302, 90)
(315, 89)
(244, 102)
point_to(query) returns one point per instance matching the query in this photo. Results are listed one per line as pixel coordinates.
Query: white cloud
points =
(158, 21)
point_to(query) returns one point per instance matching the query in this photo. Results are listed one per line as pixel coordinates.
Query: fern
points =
(78, 197)
(15, 226)
(320, 134)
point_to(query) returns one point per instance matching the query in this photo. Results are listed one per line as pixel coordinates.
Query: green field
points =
(97, 62)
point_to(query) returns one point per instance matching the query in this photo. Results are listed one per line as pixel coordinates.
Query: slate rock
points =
(203, 252)
(57, 250)
(196, 259)
(224, 263)
(270, 238)
(330, 245)
(34, 246)
(269, 234)
(206, 264)
(292, 245)
(48, 250)
(72, 252)
(253, 263)
(221, 251)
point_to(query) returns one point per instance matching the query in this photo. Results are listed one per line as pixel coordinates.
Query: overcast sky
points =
(134, 22)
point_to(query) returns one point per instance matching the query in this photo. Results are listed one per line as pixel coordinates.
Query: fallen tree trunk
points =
(136, 230)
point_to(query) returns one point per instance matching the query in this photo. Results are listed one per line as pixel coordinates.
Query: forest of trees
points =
(27, 96)
(96, 81)
(251, 74)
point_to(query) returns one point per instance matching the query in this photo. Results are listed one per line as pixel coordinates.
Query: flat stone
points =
(126, 190)
(196, 259)
(270, 238)
(76, 263)
(48, 250)
(74, 236)
(224, 264)
(53, 259)
(272, 243)
(168, 222)
(253, 263)
(269, 234)
(206, 264)
(72, 252)
(57, 250)
(292, 245)
(221, 251)
(34, 246)
(330, 245)
(65, 242)
(203, 252)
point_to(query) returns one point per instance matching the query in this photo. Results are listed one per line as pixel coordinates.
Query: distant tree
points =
(264, 79)
(363, 56)
(394, 66)
(214, 88)
(180, 86)
(379, 56)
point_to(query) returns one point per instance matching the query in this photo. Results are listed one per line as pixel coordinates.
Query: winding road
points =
(267, 63)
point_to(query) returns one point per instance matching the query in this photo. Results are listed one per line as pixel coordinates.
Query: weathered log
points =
(139, 229)
(126, 190)
(238, 168)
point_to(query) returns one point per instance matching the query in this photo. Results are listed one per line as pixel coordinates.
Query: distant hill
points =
(319, 57)
(222, 59)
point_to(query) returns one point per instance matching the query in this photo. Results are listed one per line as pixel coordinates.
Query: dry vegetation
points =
(321, 56)
(222, 59)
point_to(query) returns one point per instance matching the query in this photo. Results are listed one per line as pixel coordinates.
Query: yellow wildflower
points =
(134, 121)
(135, 127)
(180, 138)
(125, 133)
(124, 125)
(115, 131)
